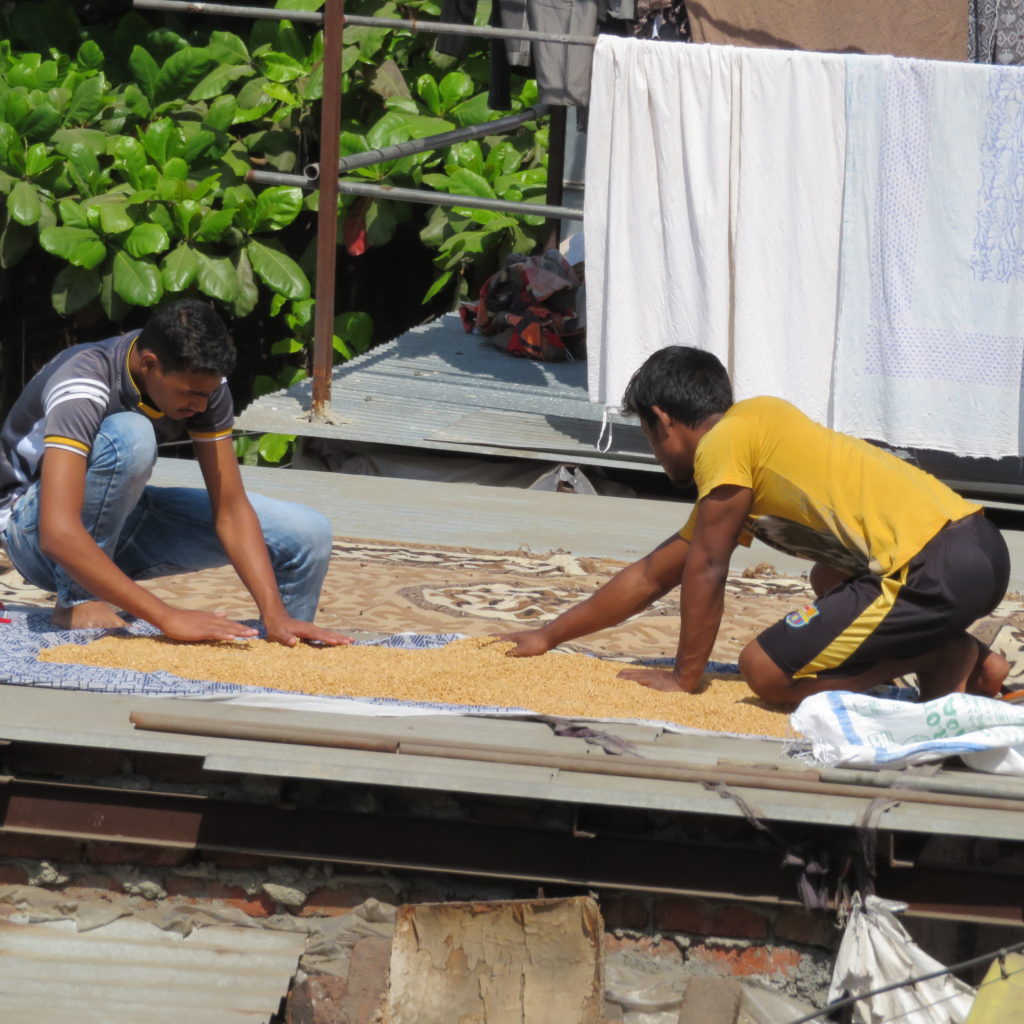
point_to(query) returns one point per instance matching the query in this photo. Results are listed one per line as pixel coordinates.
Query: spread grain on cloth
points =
(473, 672)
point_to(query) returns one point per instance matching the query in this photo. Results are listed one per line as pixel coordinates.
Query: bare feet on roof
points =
(87, 615)
(989, 674)
(962, 665)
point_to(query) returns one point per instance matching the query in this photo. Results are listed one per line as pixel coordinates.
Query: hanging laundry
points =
(995, 31)
(712, 212)
(562, 70)
(936, 29)
(930, 348)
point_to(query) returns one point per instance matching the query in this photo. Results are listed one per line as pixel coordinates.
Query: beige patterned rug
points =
(382, 588)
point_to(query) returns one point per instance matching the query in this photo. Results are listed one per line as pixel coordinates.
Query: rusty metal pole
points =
(327, 217)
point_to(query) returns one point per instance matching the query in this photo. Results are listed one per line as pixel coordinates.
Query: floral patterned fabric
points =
(995, 31)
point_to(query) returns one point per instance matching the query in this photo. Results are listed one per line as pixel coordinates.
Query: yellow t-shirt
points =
(820, 494)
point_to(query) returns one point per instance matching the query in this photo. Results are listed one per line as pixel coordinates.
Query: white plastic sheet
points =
(876, 951)
(854, 730)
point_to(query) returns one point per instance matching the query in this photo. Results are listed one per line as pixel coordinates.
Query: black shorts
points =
(960, 575)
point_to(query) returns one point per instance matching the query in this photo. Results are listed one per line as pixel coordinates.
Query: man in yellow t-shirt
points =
(903, 565)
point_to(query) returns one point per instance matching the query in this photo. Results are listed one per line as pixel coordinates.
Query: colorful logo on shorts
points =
(802, 617)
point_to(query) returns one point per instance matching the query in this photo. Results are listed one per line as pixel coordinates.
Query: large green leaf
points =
(23, 73)
(98, 142)
(79, 246)
(181, 266)
(74, 288)
(217, 277)
(10, 143)
(277, 270)
(146, 71)
(216, 82)
(355, 329)
(145, 240)
(473, 111)
(381, 221)
(438, 285)
(17, 106)
(187, 215)
(130, 158)
(248, 291)
(455, 87)
(38, 160)
(15, 241)
(135, 100)
(176, 169)
(280, 67)
(465, 182)
(221, 114)
(136, 281)
(84, 167)
(469, 155)
(160, 141)
(181, 72)
(90, 55)
(227, 48)
(115, 218)
(278, 206)
(24, 203)
(427, 90)
(72, 214)
(274, 447)
(114, 306)
(215, 224)
(196, 144)
(40, 121)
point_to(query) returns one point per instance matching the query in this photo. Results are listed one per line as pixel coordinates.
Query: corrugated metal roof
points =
(437, 387)
(81, 719)
(133, 972)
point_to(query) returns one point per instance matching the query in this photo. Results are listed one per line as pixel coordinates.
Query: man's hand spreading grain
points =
(528, 643)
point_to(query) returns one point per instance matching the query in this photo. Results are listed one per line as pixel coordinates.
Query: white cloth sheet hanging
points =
(930, 348)
(712, 212)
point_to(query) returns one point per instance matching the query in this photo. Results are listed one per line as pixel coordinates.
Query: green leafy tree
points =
(124, 150)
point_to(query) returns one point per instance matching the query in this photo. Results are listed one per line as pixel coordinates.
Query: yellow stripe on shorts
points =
(844, 645)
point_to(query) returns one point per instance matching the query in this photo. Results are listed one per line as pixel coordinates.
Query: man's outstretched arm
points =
(238, 529)
(626, 594)
(720, 517)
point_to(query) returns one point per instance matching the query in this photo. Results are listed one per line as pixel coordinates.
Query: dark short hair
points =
(687, 383)
(189, 337)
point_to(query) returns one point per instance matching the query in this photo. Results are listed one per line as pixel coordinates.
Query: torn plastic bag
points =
(877, 951)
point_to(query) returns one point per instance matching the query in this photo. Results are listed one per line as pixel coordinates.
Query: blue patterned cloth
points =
(29, 632)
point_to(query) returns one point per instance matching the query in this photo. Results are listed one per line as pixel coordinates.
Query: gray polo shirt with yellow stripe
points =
(64, 404)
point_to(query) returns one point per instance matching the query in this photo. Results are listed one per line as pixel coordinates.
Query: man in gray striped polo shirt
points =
(79, 518)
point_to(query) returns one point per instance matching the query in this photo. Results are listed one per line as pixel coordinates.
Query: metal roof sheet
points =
(440, 388)
(81, 719)
(131, 970)
(478, 516)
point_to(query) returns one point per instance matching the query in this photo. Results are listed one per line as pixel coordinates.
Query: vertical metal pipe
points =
(556, 172)
(327, 218)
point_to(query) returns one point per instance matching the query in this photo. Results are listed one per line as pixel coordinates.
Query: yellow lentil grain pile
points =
(472, 671)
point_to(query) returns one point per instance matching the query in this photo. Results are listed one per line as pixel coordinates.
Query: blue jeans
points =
(159, 531)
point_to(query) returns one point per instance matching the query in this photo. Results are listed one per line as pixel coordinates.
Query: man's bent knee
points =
(763, 676)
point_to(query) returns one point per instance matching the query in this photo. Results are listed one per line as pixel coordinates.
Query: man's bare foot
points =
(989, 673)
(962, 665)
(87, 615)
